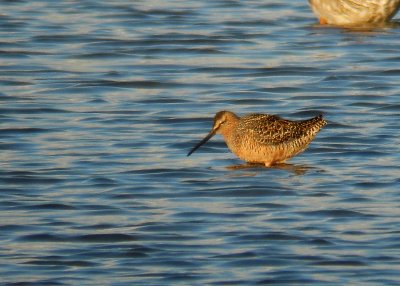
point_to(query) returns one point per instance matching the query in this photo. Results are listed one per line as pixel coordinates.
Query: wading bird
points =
(354, 12)
(263, 138)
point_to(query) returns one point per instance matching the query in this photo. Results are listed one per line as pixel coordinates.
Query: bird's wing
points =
(270, 129)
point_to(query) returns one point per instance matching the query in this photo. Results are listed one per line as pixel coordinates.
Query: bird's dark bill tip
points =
(190, 152)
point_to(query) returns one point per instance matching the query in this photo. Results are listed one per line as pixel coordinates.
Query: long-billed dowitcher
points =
(263, 138)
(354, 12)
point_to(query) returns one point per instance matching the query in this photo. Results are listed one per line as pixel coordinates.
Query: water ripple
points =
(101, 101)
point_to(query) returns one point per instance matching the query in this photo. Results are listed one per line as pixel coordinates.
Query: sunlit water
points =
(100, 103)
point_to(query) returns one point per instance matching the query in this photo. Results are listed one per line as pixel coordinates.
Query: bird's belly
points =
(268, 154)
(255, 153)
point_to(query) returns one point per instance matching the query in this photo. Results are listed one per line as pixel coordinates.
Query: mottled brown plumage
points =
(263, 138)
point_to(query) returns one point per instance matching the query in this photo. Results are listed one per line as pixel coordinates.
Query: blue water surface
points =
(100, 101)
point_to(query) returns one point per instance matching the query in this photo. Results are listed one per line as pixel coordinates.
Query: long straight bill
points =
(205, 139)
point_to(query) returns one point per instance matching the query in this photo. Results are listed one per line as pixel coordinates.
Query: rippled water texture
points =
(100, 101)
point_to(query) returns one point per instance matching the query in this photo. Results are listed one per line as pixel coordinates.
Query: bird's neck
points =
(228, 131)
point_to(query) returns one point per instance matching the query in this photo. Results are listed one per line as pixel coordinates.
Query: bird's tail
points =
(315, 124)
